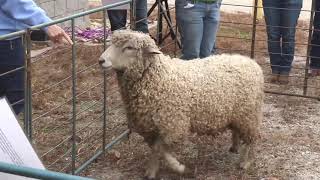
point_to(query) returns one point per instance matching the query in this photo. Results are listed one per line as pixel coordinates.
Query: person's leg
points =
(289, 19)
(141, 13)
(210, 29)
(12, 84)
(192, 29)
(117, 18)
(179, 8)
(315, 48)
(272, 18)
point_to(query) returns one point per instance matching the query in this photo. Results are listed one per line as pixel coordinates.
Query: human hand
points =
(58, 35)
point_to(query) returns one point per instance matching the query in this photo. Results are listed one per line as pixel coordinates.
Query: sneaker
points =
(274, 78)
(283, 79)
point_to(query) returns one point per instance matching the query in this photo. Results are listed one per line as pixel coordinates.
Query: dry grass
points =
(290, 131)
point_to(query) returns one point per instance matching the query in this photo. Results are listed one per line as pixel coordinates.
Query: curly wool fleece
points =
(170, 98)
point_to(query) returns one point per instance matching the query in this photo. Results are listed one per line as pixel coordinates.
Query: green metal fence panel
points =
(37, 173)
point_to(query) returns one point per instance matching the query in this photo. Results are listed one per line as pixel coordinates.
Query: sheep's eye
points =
(129, 48)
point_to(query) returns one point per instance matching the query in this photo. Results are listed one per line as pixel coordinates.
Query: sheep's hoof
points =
(149, 178)
(150, 174)
(188, 173)
(245, 165)
(234, 150)
(181, 169)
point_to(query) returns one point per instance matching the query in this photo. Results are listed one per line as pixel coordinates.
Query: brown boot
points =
(283, 79)
(274, 78)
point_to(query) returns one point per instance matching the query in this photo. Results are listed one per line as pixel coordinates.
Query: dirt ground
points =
(289, 147)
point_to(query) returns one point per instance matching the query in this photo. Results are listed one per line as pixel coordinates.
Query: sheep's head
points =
(128, 48)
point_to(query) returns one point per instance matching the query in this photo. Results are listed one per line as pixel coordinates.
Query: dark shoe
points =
(274, 78)
(283, 79)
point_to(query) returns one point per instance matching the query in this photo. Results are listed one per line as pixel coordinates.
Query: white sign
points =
(14, 145)
(107, 2)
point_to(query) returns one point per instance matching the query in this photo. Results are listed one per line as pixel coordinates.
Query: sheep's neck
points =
(129, 83)
(124, 93)
(135, 74)
(130, 79)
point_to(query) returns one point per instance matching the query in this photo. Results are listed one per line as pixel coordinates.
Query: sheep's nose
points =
(101, 61)
(105, 63)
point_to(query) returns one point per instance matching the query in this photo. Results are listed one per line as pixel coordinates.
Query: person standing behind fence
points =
(17, 15)
(198, 22)
(315, 43)
(281, 17)
(118, 15)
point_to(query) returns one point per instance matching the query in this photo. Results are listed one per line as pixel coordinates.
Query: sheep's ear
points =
(151, 51)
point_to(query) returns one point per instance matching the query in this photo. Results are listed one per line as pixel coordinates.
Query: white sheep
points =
(167, 99)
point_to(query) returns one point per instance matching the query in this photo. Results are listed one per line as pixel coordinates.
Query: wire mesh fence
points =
(246, 34)
(65, 113)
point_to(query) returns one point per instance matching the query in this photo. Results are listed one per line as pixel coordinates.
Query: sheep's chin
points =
(105, 68)
(119, 72)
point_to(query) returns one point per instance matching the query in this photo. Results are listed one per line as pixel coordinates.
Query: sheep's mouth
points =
(106, 68)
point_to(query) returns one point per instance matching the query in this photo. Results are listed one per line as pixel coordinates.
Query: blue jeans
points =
(12, 84)
(198, 26)
(315, 47)
(118, 18)
(281, 17)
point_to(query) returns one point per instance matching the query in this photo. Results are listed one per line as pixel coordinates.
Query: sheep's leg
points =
(235, 141)
(251, 134)
(246, 156)
(159, 149)
(173, 163)
(154, 162)
(247, 151)
(153, 167)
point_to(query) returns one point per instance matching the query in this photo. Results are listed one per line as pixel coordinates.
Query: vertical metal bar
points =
(27, 93)
(104, 87)
(29, 90)
(176, 40)
(305, 82)
(167, 16)
(254, 28)
(104, 29)
(74, 93)
(25, 100)
(133, 14)
(159, 23)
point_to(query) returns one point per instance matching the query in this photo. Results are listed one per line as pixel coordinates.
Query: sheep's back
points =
(217, 90)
